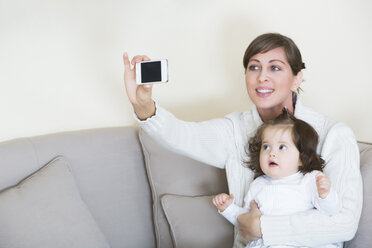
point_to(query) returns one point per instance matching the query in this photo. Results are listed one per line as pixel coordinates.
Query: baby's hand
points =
(222, 201)
(323, 184)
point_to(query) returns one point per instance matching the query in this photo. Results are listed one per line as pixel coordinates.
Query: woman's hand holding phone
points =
(140, 96)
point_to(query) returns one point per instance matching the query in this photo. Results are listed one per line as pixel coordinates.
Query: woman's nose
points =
(272, 154)
(262, 77)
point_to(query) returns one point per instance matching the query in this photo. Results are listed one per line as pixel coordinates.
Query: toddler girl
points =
(288, 174)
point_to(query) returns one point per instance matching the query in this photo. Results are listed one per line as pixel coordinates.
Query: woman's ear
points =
(297, 81)
(300, 162)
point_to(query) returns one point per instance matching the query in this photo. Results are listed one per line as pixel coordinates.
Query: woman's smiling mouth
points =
(264, 92)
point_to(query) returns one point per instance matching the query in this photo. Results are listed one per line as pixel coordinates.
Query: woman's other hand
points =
(250, 223)
(140, 96)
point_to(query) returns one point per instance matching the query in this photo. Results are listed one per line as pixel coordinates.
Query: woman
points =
(273, 75)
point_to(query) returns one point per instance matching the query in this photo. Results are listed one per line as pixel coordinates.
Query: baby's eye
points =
(275, 68)
(253, 68)
(282, 147)
(265, 147)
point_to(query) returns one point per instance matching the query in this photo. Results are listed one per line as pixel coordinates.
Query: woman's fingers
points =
(139, 58)
(126, 61)
(136, 59)
(250, 223)
(145, 58)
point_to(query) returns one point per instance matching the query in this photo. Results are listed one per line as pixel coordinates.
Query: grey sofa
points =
(115, 187)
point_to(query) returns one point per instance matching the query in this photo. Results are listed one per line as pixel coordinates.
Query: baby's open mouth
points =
(273, 164)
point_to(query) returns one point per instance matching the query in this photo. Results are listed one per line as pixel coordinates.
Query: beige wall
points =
(61, 66)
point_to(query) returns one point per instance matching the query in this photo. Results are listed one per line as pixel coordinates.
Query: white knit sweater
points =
(222, 143)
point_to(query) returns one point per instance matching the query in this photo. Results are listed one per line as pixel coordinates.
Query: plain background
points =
(61, 60)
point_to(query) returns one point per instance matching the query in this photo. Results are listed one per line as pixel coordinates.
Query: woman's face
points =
(270, 81)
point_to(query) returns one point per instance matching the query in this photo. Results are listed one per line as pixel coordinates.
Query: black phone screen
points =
(151, 72)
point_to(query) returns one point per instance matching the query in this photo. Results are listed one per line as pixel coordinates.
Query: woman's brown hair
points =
(269, 41)
(304, 137)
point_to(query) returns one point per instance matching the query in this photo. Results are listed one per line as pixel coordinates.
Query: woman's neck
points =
(272, 113)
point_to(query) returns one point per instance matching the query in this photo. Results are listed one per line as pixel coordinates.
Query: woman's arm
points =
(209, 142)
(138, 95)
(249, 221)
(312, 228)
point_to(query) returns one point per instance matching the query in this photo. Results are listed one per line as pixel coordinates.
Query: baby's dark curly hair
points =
(304, 137)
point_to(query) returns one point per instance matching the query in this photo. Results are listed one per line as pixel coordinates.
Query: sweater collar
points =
(287, 179)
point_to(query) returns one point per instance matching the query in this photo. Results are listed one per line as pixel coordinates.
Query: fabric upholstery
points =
(46, 210)
(109, 170)
(195, 222)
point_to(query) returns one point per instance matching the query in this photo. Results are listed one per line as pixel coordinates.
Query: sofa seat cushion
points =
(195, 222)
(46, 210)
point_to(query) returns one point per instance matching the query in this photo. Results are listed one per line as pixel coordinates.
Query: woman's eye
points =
(265, 147)
(253, 68)
(275, 68)
(282, 147)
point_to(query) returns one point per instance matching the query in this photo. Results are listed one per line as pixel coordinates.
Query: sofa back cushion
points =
(171, 173)
(46, 210)
(109, 170)
(363, 237)
(194, 222)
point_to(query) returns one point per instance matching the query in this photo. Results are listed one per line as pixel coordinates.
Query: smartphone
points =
(152, 72)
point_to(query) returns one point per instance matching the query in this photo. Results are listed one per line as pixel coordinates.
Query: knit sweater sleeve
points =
(208, 142)
(312, 228)
(330, 205)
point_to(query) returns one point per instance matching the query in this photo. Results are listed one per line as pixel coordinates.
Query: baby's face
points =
(279, 156)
